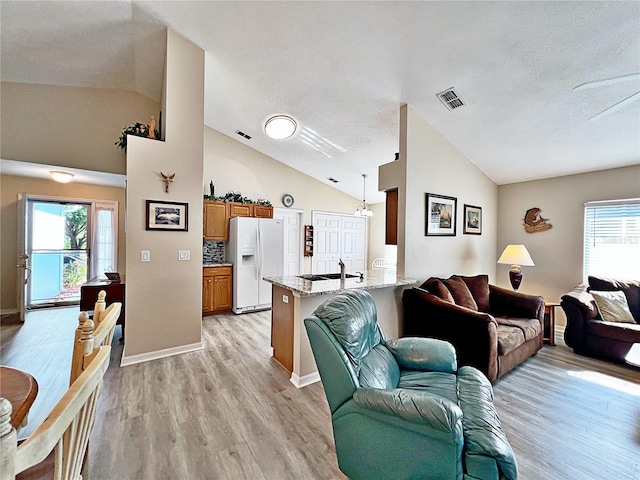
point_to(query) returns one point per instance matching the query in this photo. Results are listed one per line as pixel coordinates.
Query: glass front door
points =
(58, 253)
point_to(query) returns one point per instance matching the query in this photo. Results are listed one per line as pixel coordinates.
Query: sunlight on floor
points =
(607, 381)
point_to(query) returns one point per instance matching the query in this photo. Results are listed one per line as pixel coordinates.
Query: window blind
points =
(612, 239)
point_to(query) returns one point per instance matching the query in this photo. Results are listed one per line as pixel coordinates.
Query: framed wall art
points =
(440, 215)
(167, 216)
(472, 220)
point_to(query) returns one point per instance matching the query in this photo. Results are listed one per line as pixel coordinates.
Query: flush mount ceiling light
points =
(280, 127)
(61, 177)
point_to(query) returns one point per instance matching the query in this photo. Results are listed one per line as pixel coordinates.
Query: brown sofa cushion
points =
(624, 332)
(479, 288)
(530, 327)
(509, 338)
(460, 292)
(436, 287)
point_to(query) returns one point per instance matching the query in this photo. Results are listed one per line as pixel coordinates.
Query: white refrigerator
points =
(256, 249)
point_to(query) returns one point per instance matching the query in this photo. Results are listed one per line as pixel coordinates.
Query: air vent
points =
(242, 134)
(450, 99)
(331, 179)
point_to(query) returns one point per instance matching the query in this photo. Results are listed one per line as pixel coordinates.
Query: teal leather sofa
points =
(401, 409)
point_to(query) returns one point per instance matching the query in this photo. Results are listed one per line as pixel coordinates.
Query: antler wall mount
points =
(167, 178)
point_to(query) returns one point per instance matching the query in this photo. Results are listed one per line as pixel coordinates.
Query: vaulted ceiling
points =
(342, 70)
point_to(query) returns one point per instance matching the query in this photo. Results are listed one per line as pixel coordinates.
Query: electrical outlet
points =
(145, 255)
(184, 255)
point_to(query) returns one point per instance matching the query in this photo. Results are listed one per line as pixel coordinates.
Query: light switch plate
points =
(184, 255)
(145, 255)
(285, 298)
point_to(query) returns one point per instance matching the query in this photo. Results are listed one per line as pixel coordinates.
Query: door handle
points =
(27, 269)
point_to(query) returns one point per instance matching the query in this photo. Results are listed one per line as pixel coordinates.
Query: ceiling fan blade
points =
(616, 106)
(607, 81)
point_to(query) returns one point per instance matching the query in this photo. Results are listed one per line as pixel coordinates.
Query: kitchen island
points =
(294, 298)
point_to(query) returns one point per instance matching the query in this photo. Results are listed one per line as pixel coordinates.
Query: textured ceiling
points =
(342, 70)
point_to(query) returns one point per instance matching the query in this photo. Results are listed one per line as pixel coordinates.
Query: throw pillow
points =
(613, 306)
(460, 292)
(630, 288)
(437, 288)
(479, 288)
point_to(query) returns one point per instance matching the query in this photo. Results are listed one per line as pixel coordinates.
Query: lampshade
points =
(61, 177)
(516, 255)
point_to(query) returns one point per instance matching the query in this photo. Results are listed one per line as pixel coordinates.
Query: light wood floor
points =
(230, 412)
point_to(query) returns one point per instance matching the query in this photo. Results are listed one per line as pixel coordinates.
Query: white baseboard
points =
(305, 380)
(167, 352)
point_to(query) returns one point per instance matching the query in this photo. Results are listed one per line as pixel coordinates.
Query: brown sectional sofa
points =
(587, 333)
(491, 328)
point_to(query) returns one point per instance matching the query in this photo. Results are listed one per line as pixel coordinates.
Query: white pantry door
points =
(292, 220)
(337, 236)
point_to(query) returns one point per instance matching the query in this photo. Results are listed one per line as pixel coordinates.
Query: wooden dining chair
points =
(56, 450)
(89, 335)
(93, 333)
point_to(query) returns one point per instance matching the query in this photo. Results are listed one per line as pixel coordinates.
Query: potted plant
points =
(139, 130)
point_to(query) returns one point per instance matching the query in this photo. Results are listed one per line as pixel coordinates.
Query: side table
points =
(549, 334)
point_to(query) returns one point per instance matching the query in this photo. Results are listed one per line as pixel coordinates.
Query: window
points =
(105, 231)
(612, 239)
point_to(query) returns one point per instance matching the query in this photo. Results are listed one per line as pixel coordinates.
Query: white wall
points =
(557, 252)
(10, 187)
(432, 164)
(69, 126)
(234, 166)
(164, 296)
(66, 126)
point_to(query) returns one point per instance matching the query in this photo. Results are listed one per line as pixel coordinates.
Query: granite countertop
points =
(223, 264)
(372, 279)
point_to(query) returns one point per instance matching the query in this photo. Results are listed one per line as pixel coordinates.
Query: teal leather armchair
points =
(401, 409)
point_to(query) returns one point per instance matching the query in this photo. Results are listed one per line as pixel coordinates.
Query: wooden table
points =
(20, 388)
(115, 293)
(550, 322)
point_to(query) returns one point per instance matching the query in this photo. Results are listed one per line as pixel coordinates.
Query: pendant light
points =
(363, 210)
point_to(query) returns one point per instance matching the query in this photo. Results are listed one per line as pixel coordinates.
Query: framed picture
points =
(440, 215)
(472, 220)
(167, 216)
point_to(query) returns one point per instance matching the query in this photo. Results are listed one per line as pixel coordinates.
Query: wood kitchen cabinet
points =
(262, 211)
(391, 220)
(249, 210)
(216, 289)
(240, 209)
(216, 220)
(216, 216)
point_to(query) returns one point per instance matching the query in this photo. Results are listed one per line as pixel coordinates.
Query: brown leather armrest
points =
(582, 300)
(504, 302)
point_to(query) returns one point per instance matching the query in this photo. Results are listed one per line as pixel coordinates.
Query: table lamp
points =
(516, 255)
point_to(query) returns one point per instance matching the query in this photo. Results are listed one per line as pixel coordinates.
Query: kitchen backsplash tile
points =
(213, 252)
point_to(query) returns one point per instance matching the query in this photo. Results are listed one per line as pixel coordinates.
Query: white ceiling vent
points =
(450, 99)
